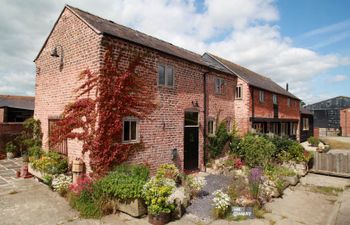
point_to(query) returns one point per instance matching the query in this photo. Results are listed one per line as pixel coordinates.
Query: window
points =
(274, 99)
(305, 123)
(228, 125)
(259, 127)
(284, 129)
(191, 118)
(261, 96)
(165, 76)
(238, 92)
(211, 127)
(288, 102)
(293, 129)
(219, 85)
(130, 130)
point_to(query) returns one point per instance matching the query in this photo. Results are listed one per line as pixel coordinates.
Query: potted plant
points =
(10, 149)
(156, 193)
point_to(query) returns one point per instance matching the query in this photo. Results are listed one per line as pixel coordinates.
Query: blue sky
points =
(298, 18)
(302, 42)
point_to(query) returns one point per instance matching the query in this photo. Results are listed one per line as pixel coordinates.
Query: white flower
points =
(221, 200)
(197, 182)
(61, 182)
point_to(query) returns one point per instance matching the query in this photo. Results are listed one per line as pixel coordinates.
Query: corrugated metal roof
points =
(19, 102)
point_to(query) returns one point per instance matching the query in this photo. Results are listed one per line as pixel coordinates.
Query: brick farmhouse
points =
(193, 91)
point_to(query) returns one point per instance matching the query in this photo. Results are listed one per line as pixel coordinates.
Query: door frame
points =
(193, 110)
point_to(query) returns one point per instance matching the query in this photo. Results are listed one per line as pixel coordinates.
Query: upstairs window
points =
(274, 99)
(288, 102)
(219, 85)
(130, 130)
(165, 76)
(261, 96)
(238, 92)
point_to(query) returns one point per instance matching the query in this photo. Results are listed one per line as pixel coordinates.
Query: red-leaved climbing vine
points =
(120, 89)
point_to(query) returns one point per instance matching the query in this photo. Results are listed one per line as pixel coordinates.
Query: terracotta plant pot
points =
(160, 219)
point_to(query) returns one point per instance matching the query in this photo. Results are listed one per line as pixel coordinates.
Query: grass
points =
(336, 144)
(326, 190)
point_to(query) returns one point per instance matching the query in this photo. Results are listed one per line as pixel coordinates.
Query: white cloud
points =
(338, 78)
(240, 30)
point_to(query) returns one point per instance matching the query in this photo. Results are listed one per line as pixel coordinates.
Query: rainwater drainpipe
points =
(205, 120)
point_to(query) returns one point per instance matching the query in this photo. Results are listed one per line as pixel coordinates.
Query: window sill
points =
(130, 142)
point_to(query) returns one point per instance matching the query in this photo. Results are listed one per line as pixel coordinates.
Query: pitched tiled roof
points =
(19, 102)
(104, 26)
(251, 77)
(305, 111)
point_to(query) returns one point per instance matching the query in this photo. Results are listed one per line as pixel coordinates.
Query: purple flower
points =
(255, 175)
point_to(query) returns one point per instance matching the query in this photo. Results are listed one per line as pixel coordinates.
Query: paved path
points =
(8, 168)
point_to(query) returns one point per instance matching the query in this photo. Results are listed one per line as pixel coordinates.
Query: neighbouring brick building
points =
(345, 122)
(192, 92)
(260, 103)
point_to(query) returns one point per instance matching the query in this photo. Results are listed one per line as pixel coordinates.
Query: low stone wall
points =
(8, 131)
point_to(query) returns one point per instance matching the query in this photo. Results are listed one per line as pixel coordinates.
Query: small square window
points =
(261, 96)
(165, 76)
(238, 92)
(219, 85)
(130, 130)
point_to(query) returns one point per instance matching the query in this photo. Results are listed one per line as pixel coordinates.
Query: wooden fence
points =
(332, 164)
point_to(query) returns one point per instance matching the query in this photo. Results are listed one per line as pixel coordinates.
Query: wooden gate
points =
(332, 164)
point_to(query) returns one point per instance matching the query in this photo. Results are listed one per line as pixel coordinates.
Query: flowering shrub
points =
(61, 183)
(238, 163)
(221, 203)
(83, 183)
(50, 163)
(157, 194)
(168, 171)
(196, 183)
(255, 179)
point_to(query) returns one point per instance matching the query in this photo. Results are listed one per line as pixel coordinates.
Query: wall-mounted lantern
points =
(55, 54)
(174, 154)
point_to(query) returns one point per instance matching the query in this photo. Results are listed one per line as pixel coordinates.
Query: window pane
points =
(126, 130)
(191, 118)
(161, 75)
(210, 127)
(217, 85)
(170, 77)
(133, 130)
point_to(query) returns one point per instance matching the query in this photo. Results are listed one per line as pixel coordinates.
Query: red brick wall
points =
(243, 109)
(7, 133)
(54, 88)
(345, 122)
(163, 130)
(265, 109)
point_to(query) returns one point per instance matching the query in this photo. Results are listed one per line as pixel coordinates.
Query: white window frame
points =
(211, 120)
(274, 99)
(306, 125)
(261, 96)
(137, 135)
(288, 102)
(238, 92)
(293, 129)
(219, 85)
(166, 68)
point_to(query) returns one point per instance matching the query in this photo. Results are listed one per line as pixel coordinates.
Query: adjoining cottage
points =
(193, 91)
